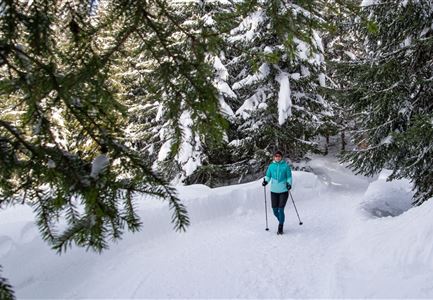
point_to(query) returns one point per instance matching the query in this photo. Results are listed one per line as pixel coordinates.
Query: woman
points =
(280, 176)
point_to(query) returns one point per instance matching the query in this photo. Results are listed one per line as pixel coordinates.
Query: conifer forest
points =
(101, 101)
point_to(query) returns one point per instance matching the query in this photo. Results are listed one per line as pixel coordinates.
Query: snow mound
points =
(226, 253)
(204, 203)
(388, 257)
(383, 198)
(17, 226)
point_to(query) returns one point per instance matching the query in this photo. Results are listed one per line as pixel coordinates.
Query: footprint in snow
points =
(6, 245)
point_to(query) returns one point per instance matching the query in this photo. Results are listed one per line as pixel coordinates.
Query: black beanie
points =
(278, 152)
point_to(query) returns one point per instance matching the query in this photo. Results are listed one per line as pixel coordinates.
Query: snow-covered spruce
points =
(270, 78)
(390, 91)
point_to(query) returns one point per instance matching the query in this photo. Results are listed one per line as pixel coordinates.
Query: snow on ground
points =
(340, 251)
(383, 199)
(388, 257)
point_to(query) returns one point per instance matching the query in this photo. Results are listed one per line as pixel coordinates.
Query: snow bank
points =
(16, 227)
(383, 198)
(388, 257)
(204, 203)
(225, 253)
(76, 273)
(18, 230)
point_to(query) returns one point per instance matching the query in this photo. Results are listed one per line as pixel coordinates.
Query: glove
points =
(289, 187)
(264, 183)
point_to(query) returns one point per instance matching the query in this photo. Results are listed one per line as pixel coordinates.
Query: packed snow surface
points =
(341, 250)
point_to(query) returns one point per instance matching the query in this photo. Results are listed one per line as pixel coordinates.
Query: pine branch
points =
(6, 290)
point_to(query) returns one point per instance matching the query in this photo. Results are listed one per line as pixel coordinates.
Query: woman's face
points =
(277, 157)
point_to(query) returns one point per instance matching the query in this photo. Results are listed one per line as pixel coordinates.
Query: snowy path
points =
(233, 257)
(225, 253)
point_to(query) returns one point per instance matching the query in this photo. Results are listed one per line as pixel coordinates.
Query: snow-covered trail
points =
(233, 257)
(226, 251)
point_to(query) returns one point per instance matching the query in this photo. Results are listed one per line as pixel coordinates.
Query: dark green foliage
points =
(6, 292)
(391, 92)
(416, 156)
(341, 43)
(184, 110)
(267, 40)
(136, 77)
(61, 101)
(229, 165)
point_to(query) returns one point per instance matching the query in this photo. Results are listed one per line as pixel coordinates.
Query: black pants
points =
(279, 201)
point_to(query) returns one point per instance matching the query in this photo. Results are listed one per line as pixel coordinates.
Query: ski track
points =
(228, 256)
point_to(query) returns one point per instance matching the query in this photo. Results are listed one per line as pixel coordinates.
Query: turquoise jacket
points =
(279, 174)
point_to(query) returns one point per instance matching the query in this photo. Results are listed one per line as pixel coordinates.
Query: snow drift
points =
(338, 252)
(388, 257)
(383, 198)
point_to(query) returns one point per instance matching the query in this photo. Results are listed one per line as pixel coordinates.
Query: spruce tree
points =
(275, 76)
(391, 91)
(278, 79)
(167, 124)
(341, 43)
(65, 144)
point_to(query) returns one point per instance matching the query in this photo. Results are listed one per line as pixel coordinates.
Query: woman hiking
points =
(279, 174)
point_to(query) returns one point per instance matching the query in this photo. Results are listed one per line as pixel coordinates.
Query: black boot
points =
(280, 229)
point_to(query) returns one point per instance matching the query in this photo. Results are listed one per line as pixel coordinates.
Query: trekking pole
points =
(300, 223)
(266, 210)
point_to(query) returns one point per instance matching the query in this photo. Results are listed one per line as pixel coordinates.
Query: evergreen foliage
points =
(271, 78)
(98, 99)
(171, 120)
(61, 103)
(6, 292)
(341, 44)
(391, 91)
(284, 45)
